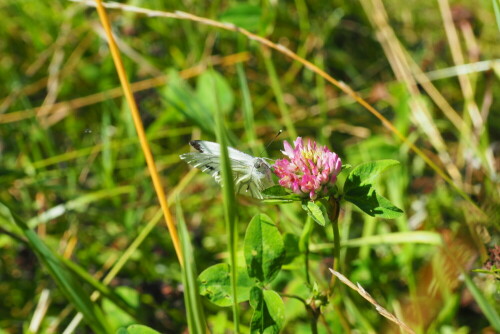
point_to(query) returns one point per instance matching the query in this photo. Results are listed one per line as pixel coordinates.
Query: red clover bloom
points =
(309, 170)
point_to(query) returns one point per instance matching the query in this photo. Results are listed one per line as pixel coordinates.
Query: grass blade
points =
(229, 208)
(247, 108)
(278, 93)
(194, 308)
(103, 289)
(489, 311)
(66, 281)
(496, 8)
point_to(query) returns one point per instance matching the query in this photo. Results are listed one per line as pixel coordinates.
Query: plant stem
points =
(315, 313)
(229, 207)
(314, 321)
(336, 244)
(304, 245)
(333, 214)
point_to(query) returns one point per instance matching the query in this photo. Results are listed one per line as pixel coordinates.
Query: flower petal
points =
(310, 170)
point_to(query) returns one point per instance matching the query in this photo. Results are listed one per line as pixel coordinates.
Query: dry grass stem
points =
(401, 67)
(66, 106)
(362, 292)
(458, 58)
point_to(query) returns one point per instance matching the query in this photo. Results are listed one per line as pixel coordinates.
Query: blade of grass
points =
(278, 92)
(66, 281)
(140, 129)
(77, 204)
(40, 311)
(194, 308)
(422, 237)
(376, 12)
(496, 9)
(229, 208)
(103, 289)
(458, 59)
(127, 254)
(247, 107)
(489, 310)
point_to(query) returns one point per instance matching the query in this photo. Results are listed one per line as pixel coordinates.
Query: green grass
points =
(75, 174)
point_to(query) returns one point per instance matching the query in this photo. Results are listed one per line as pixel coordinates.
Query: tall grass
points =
(73, 172)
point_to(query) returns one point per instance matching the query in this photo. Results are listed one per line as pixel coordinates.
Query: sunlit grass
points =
(72, 168)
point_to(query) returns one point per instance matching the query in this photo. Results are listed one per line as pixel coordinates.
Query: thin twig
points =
(359, 289)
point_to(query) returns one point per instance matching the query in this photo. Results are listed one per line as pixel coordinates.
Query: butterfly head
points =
(261, 165)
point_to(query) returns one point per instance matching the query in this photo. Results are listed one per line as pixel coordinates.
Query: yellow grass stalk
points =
(140, 130)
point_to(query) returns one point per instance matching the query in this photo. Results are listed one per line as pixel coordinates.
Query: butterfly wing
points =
(251, 175)
(254, 182)
(207, 163)
(208, 147)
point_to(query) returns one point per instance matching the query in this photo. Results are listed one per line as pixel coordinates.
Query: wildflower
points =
(310, 170)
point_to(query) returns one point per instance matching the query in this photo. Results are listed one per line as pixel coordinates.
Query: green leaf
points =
(264, 249)
(213, 91)
(279, 195)
(374, 204)
(359, 190)
(291, 242)
(269, 311)
(366, 173)
(317, 211)
(215, 284)
(114, 314)
(276, 190)
(181, 97)
(137, 329)
(243, 15)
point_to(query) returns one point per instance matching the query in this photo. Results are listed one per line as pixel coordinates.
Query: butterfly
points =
(251, 175)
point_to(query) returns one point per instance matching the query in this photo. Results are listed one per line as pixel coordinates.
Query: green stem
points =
(314, 321)
(315, 313)
(333, 214)
(304, 245)
(229, 208)
(336, 244)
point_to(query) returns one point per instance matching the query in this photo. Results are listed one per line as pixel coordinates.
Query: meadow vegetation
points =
(83, 242)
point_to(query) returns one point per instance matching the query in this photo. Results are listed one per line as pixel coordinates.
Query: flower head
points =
(309, 169)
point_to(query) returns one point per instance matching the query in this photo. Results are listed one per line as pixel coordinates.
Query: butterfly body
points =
(251, 175)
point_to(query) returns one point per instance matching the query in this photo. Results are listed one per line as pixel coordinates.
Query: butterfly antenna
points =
(272, 141)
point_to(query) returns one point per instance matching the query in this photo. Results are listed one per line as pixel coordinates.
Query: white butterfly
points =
(251, 175)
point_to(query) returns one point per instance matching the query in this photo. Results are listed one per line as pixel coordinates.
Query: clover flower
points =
(309, 170)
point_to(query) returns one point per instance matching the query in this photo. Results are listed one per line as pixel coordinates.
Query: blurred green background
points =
(72, 169)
